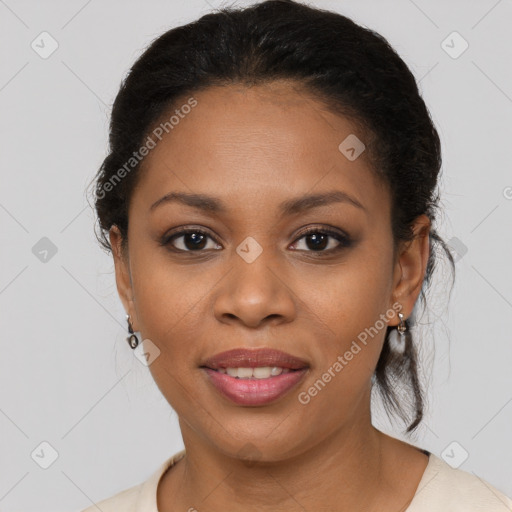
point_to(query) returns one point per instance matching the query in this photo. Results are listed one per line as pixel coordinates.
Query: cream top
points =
(441, 489)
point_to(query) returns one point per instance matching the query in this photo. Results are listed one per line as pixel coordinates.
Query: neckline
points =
(428, 475)
(171, 462)
(153, 483)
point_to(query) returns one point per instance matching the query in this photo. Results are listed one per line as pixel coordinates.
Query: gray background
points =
(67, 375)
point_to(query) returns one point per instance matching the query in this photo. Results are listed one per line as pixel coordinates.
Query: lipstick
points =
(254, 377)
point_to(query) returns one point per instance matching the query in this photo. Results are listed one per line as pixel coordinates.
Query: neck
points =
(310, 480)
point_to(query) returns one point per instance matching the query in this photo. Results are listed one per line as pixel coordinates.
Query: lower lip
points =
(254, 391)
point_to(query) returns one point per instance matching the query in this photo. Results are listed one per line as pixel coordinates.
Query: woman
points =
(269, 199)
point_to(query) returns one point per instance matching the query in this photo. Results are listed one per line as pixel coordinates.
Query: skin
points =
(253, 148)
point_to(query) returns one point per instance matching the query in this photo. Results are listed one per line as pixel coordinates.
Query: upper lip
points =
(252, 358)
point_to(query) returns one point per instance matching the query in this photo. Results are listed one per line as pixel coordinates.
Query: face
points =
(315, 279)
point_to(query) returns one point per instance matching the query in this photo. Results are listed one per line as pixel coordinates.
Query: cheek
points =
(169, 298)
(350, 313)
(348, 299)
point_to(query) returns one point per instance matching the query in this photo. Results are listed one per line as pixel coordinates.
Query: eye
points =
(321, 240)
(193, 240)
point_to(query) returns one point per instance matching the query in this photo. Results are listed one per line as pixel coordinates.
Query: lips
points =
(288, 372)
(253, 358)
(254, 392)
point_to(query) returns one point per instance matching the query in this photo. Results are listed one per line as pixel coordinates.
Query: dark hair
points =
(352, 70)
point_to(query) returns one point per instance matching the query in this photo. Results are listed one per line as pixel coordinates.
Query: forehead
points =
(258, 143)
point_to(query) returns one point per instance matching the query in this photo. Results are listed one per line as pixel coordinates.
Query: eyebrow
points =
(293, 206)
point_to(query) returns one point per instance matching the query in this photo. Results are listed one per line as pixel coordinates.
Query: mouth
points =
(254, 377)
(261, 359)
(258, 372)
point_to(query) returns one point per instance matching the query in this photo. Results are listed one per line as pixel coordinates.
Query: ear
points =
(123, 275)
(410, 267)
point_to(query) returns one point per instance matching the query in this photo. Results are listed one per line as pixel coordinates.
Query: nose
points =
(255, 293)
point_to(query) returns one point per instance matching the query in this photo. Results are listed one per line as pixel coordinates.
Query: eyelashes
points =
(196, 240)
(325, 233)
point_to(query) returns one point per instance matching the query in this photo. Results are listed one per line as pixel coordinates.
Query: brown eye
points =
(323, 240)
(193, 240)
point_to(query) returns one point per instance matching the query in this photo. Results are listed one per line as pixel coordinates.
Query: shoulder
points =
(139, 497)
(445, 488)
(125, 500)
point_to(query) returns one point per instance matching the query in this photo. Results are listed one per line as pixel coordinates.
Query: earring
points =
(401, 326)
(397, 336)
(132, 340)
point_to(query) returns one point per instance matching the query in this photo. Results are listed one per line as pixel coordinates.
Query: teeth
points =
(261, 372)
(232, 372)
(244, 373)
